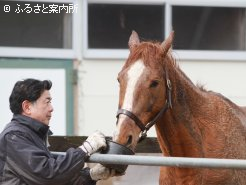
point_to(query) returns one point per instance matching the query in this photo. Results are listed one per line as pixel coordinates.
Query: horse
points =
(189, 120)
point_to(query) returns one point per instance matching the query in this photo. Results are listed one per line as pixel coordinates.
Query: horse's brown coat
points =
(200, 124)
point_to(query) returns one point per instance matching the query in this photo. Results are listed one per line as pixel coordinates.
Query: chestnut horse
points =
(189, 121)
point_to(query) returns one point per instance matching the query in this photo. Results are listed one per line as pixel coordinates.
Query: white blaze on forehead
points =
(133, 75)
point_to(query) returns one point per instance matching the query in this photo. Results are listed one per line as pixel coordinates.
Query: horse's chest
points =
(179, 176)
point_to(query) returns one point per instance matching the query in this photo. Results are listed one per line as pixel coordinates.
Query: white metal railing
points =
(166, 161)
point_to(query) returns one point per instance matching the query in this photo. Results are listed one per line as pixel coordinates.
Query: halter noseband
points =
(139, 123)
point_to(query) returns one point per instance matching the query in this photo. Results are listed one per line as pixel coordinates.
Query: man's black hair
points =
(28, 89)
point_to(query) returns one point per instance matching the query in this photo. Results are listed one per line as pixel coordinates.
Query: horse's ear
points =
(133, 40)
(166, 44)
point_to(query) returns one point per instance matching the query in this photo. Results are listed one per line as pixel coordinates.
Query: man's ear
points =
(26, 107)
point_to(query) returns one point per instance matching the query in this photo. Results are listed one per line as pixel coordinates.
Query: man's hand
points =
(100, 172)
(93, 143)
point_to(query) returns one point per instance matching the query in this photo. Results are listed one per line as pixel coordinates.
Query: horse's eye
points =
(154, 83)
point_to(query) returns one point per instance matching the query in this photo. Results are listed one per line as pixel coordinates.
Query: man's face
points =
(41, 109)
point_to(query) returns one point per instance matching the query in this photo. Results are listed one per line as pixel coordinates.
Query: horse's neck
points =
(185, 94)
(177, 132)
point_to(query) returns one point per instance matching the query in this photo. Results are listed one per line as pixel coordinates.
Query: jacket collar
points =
(40, 128)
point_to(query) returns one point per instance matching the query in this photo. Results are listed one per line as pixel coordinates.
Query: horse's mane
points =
(201, 87)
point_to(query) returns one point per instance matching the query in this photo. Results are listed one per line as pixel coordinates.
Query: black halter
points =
(144, 129)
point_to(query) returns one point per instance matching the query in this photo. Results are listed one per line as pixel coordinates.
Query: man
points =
(24, 156)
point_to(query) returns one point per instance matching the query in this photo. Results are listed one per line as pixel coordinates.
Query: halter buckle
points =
(143, 136)
(169, 84)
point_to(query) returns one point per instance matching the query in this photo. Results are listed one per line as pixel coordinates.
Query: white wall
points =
(8, 77)
(98, 88)
(226, 78)
(98, 101)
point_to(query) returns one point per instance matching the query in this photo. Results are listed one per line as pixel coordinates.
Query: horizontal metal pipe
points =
(166, 161)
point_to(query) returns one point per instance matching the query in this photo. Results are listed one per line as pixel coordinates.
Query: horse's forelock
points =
(150, 53)
(147, 51)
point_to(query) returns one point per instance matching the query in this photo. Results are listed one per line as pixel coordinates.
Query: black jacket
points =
(26, 160)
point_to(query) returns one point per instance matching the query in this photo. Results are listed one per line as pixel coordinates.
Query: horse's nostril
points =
(129, 141)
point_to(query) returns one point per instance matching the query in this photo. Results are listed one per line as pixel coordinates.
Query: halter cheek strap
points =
(139, 123)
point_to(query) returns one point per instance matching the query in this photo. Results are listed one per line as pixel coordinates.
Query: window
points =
(203, 29)
(110, 25)
(209, 28)
(40, 28)
(36, 29)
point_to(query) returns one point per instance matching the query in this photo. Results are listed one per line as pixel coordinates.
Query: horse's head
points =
(145, 89)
